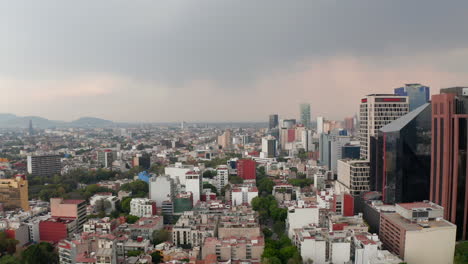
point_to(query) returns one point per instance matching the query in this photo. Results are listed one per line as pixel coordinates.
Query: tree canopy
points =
(42, 253)
(138, 188)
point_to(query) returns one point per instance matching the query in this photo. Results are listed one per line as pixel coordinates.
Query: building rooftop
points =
(398, 220)
(418, 205)
(73, 201)
(365, 239)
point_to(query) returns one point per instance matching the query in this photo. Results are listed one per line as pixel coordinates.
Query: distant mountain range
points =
(14, 121)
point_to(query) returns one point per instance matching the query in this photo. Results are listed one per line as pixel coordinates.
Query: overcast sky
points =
(200, 60)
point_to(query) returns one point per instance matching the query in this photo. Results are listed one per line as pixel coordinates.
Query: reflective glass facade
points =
(406, 163)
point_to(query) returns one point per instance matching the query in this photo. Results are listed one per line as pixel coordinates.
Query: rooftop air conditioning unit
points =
(465, 92)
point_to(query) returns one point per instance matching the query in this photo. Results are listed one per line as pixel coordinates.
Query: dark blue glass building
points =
(418, 94)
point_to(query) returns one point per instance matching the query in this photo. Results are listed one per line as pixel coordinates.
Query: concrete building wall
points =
(344, 172)
(301, 217)
(314, 250)
(340, 252)
(161, 189)
(178, 174)
(193, 184)
(364, 255)
(59, 209)
(430, 246)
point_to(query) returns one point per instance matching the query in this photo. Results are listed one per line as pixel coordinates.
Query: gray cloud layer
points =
(176, 54)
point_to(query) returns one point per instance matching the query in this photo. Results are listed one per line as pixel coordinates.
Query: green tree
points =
(265, 186)
(131, 219)
(271, 260)
(301, 182)
(7, 245)
(160, 236)
(279, 227)
(156, 257)
(125, 204)
(287, 253)
(278, 214)
(9, 259)
(210, 186)
(92, 189)
(42, 253)
(267, 232)
(235, 180)
(138, 188)
(461, 253)
(303, 155)
(210, 174)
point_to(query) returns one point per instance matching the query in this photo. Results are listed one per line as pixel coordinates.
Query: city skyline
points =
(158, 61)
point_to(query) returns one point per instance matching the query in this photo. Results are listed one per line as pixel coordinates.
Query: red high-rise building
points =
(291, 135)
(56, 229)
(247, 169)
(349, 124)
(449, 163)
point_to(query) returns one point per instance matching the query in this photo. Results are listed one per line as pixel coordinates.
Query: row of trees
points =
(280, 251)
(301, 182)
(278, 247)
(267, 207)
(42, 253)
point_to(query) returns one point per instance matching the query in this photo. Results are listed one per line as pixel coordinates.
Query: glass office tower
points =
(406, 159)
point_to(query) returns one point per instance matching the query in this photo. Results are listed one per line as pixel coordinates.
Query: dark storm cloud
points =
(194, 60)
(218, 40)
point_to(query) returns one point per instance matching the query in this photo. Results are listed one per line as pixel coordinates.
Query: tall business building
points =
(402, 167)
(305, 114)
(319, 125)
(418, 94)
(31, 129)
(376, 111)
(269, 147)
(45, 165)
(14, 193)
(225, 140)
(106, 157)
(325, 150)
(449, 183)
(273, 122)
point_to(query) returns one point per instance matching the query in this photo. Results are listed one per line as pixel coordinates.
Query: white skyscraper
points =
(193, 184)
(376, 111)
(222, 177)
(319, 124)
(269, 147)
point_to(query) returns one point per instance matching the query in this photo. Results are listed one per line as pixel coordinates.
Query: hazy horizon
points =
(222, 61)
